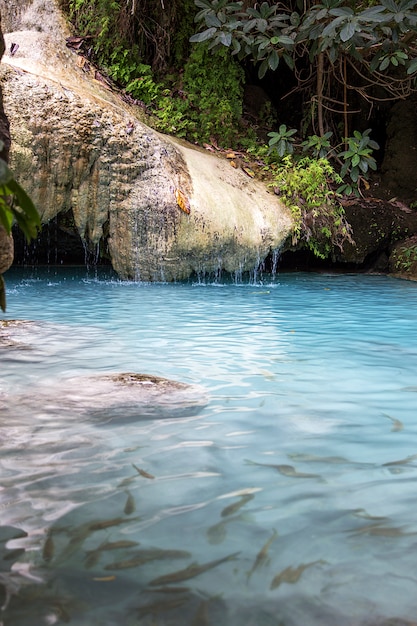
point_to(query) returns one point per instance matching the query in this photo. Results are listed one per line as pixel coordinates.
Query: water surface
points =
(285, 497)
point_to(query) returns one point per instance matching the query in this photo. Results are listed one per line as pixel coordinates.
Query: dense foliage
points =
(343, 58)
(337, 49)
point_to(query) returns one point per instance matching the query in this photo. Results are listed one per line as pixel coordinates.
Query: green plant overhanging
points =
(375, 39)
(358, 159)
(306, 187)
(15, 206)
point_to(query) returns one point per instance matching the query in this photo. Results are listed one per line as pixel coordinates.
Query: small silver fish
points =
(92, 556)
(218, 532)
(312, 458)
(101, 525)
(140, 557)
(285, 470)
(142, 472)
(378, 530)
(191, 571)
(233, 508)
(130, 506)
(161, 606)
(397, 425)
(408, 459)
(262, 557)
(292, 575)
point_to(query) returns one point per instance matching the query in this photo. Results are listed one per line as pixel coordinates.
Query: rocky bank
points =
(158, 208)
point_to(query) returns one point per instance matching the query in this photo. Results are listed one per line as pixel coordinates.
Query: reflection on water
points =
(280, 492)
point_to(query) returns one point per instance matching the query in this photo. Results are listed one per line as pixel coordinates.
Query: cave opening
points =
(59, 243)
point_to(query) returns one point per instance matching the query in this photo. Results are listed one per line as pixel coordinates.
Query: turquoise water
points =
(283, 494)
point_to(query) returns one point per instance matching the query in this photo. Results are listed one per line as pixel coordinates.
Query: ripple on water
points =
(277, 489)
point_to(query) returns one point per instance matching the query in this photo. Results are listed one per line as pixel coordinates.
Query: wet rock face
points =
(403, 260)
(81, 151)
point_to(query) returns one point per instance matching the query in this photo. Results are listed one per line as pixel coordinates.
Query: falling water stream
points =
(282, 494)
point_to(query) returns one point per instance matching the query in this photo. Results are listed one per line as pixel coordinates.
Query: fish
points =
(162, 605)
(292, 575)
(408, 459)
(233, 508)
(170, 590)
(218, 532)
(91, 559)
(92, 556)
(117, 545)
(142, 472)
(397, 425)
(130, 506)
(109, 523)
(140, 557)
(191, 571)
(201, 617)
(380, 531)
(262, 557)
(82, 532)
(285, 470)
(48, 550)
(366, 515)
(312, 458)
(104, 579)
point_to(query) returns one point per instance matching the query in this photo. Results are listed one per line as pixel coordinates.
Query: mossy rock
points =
(403, 259)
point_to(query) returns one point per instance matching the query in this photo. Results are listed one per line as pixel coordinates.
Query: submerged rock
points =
(116, 398)
(161, 209)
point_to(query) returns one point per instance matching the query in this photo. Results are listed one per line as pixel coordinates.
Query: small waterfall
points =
(275, 254)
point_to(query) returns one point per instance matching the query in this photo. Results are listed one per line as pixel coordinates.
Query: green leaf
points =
(390, 4)
(6, 215)
(263, 68)
(342, 12)
(373, 14)
(354, 174)
(262, 25)
(203, 4)
(347, 31)
(203, 36)
(213, 20)
(288, 60)
(284, 40)
(384, 64)
(273, 60)
(29, 215)
(5, 173)
(412, 67)
(225, 38)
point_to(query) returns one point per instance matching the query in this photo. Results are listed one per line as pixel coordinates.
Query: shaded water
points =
(285, 496)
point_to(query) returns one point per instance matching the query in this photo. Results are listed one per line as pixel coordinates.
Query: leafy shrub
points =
(305, 186)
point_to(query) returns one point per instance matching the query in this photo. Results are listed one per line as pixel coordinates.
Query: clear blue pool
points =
(286, 498)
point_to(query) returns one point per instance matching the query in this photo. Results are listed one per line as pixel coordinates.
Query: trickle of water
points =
(278, 490)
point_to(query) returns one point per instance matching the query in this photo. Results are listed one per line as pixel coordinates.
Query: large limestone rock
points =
(80, 151)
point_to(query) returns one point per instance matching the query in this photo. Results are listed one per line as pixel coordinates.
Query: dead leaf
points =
(182, 201)
(248, 171)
